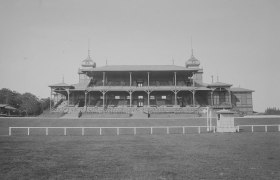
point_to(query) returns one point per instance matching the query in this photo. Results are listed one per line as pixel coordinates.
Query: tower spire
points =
(191, 47)
(89, 48)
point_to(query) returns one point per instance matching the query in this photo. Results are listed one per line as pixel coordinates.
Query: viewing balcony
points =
(222, 106)
(141, 88)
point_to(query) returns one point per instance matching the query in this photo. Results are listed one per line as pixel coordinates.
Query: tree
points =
(27, 102)
(10, 97)
(272, 111)
(30, 104)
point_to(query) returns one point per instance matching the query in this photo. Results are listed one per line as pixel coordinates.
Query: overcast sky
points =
(43, 40)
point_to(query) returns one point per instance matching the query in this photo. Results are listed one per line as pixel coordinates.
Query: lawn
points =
(5, 123)
(192, 156)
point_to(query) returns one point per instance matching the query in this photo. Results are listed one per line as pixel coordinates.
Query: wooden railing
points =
(252, 127)
(151, 129)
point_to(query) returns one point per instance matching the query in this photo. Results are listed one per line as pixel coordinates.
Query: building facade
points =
(149, 86)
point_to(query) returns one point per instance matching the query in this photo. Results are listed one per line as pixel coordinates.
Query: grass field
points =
(204, 156)
(175, 156)
(5, 123)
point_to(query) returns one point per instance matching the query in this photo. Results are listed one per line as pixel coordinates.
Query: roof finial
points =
(172, 60)
(62, 78)
(106, 61)
(212, 79)
(217, 78)
(89, 48)
(191, 46)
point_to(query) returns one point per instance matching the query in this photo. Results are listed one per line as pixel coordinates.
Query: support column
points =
(175, 79)
(130, 98)
(51, 101)
(148, 92)
(175, 96)
(212, 103)
(229, 93)
(103, 92)
(193, 97)
(130, 80)
(85, 98)
(88, 98)
(103, 78)
(193, 80)
(68, 96)
(148, 79)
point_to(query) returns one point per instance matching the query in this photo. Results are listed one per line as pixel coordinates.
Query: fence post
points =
(118, 131)
(183, 130)
(279, 128)
(83, 131)
(265, 128)
(198, 129)
(238, 128)
(252, 128)
(28, 131)
(214, 129)
(134, 131)
(10, 131)
(100, 131)
(151, 130)
(47, 131)
(64, 131)
(167, 130)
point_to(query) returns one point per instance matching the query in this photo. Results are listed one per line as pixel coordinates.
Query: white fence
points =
(265, 127)
(184, 129)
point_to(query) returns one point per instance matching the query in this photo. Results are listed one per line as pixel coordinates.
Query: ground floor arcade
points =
(81, 98)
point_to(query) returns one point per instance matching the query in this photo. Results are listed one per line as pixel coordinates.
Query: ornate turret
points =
(192, 62)
(88, 62)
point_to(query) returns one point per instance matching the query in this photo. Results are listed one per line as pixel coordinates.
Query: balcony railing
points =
(142, 88)
(226, 106)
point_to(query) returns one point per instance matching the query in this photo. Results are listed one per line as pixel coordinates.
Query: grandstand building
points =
(147, 87)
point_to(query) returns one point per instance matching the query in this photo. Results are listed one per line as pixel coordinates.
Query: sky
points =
(42, 41)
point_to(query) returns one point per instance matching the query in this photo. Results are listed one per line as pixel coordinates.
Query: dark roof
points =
(60, 85)
(239, 89)
(81, 85)
(203, 89)
(6, 106)
(219, 84)
(140, 68)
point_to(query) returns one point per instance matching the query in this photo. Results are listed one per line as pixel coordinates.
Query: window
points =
(244, 99)
(140, 97)
(101, 97)
(140, 104)
(163, 97)
(117, 97)
(152, 97)
(127, 97)
(140, 84)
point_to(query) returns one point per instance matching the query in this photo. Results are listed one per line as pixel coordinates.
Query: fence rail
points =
(265, 127)
(184, 129)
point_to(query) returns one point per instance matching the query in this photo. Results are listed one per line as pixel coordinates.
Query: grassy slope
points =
(205, 156)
